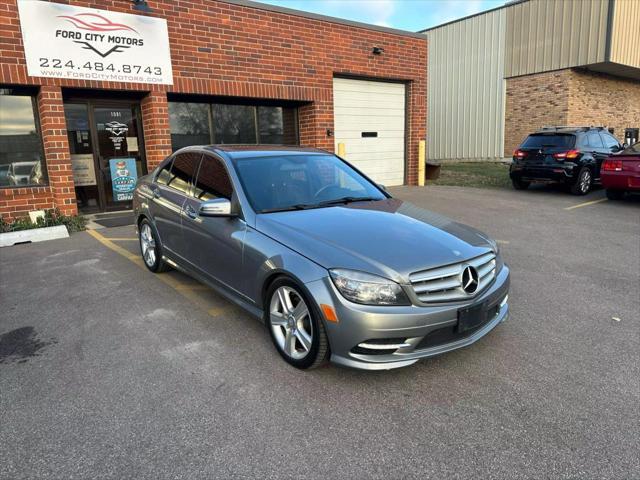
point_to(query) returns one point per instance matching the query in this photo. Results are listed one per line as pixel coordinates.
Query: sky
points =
(411, 15)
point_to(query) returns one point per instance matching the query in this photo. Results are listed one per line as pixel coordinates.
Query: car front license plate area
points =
(471, 317)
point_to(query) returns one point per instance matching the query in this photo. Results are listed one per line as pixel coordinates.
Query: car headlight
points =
(367, 289)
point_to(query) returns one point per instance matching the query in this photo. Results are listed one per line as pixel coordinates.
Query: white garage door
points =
(369, 119)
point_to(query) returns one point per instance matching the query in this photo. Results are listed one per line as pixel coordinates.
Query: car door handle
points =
(190, 211)
(156, 193)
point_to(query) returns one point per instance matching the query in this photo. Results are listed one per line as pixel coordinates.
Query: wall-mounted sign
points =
(84, 171)
(65, 41)
(123, 178)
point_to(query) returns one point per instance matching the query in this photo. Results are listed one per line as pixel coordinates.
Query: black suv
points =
(570, 155)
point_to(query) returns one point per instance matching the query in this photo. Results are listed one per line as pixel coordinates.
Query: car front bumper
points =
(423, 331)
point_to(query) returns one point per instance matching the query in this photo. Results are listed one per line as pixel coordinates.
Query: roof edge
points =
(461, 19)
(324, 18)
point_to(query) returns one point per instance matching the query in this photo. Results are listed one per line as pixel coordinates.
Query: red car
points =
(621, 173)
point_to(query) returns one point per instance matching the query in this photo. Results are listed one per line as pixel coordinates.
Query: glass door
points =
(117, 135)
(82, 157)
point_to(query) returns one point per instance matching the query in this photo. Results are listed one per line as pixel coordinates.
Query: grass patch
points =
(477, 174)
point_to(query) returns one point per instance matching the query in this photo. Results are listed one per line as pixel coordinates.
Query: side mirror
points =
(625, 145)
(218, 207)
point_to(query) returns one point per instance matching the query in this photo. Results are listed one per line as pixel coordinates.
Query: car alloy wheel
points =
(585, 181)
(147, 245)
(291, 323)
(582, 184)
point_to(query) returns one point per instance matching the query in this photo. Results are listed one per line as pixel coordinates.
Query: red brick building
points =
(242, 72)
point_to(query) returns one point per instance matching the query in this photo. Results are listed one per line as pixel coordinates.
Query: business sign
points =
(65, 41)
(84, 171)
(123, 178)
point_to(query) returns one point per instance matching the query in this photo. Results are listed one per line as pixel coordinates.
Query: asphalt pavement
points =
(110, 371)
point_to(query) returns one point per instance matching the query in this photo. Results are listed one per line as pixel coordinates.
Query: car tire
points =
(519, 184)
(583, 182)
(300, 338)
(615, 194)
(151, 248)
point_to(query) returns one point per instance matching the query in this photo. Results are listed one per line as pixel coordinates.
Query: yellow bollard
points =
(421, 162)
(341, 150)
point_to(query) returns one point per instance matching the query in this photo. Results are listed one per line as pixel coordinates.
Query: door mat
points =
(119, 221)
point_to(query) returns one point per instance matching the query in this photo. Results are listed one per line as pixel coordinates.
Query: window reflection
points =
(21, 157)
(234, 124)
(183, 170)
(213, 180)
(191, 124)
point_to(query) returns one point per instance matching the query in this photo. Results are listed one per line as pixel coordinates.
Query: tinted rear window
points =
(549, 140)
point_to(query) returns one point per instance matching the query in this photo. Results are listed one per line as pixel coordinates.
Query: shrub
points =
(53, 217)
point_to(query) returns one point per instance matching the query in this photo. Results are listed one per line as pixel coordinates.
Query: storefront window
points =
(21, 156)
(189, 124)
(277, 125)
(234, 124)
(231, 124)
(270, 125)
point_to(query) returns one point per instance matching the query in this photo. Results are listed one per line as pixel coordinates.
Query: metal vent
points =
(444, 284)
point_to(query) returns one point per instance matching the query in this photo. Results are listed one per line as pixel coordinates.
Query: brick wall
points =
(598, 99)
(533, 101)
(569, 97)
(218, 48)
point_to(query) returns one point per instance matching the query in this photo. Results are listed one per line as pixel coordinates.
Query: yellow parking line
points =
(122, 239)
(187, 290)
(109, 244)
(214, 312)
(503, 242)
(586, 204)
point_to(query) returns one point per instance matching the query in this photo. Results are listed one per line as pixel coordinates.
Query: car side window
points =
(183, 171)
(164, 175)
(213, 180)
(594, 140)
(609, 141)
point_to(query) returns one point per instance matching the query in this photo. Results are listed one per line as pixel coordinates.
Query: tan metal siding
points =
(544, 35)
(625, 33)
(466, 89)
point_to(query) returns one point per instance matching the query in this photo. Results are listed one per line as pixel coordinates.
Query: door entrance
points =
(107, 154)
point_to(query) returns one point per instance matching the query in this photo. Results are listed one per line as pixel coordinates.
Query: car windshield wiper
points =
(344, 200)
(326, 203)
(298, 206)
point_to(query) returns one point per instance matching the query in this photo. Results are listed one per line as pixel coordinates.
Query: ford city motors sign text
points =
(63, 41)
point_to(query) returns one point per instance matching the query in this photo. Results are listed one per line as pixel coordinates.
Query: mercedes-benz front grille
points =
(445, 284)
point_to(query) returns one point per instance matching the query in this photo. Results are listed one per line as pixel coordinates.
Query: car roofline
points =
(292, 149)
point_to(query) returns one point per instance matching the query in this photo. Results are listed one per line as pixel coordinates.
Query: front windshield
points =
(288, 182)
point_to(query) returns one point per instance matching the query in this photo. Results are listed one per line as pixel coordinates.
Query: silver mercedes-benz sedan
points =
(335, 266)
